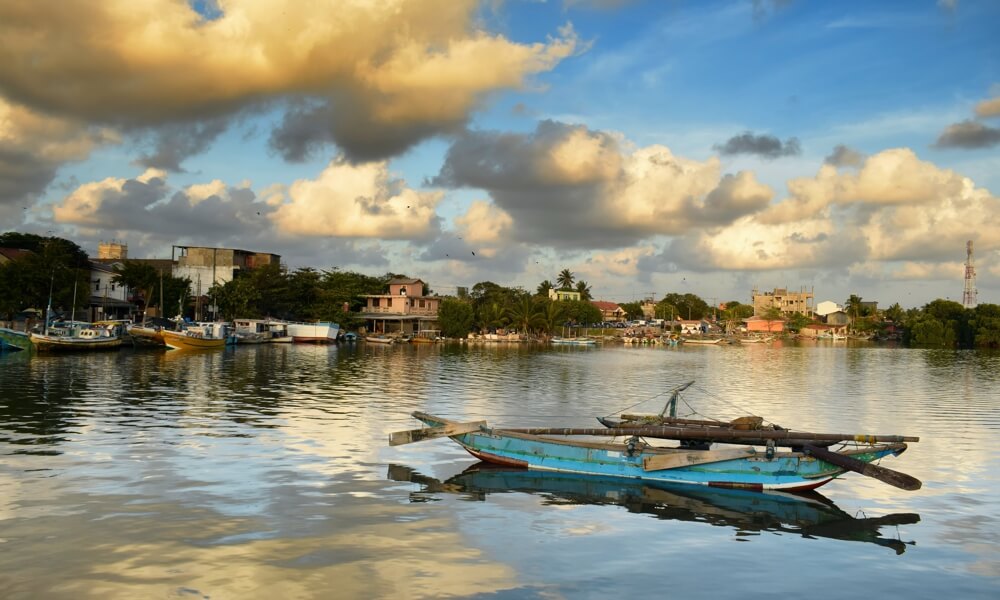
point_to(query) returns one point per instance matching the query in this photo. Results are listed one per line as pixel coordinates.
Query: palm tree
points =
(853, 306)
(565, 279)
(139, 277)
(584, 289)
(491, 316)
(544, 287)
(552, 316)
(524, 314)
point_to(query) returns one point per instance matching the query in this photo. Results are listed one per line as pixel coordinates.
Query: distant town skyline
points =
(648, 147)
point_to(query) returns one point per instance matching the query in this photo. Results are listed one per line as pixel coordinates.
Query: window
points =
(402, 290)
(374, 302)
(97, 285)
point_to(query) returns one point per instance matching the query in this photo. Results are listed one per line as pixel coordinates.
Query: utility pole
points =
(969, 294)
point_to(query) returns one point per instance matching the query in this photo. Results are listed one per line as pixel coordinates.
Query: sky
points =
(649, 147)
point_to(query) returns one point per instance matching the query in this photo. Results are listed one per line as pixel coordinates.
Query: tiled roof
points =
(14, 253)
(601, 304)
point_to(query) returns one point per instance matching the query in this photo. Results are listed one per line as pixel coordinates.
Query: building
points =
(820, 330)
(10, 254)
(609, 310)
(648, 307)
(787, 303)
(112, 251)
(837, 317)
(826, 307)
(106, 299)
(762, 325)
(564, 294)
(207, 266)
(405, 309)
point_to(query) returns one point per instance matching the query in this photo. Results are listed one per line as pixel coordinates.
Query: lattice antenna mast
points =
(969, 299)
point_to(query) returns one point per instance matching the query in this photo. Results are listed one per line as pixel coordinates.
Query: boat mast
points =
(671, 405)
(48, 311)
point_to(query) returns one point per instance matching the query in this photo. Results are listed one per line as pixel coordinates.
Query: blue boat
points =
(747, 455)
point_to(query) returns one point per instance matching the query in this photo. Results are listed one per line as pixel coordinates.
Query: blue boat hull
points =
(788, 471)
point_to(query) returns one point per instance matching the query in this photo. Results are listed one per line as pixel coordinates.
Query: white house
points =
(826, 307)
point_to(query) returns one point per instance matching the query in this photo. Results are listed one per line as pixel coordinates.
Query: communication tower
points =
(969, 294)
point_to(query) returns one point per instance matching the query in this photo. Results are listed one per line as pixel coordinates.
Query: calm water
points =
(264, 472)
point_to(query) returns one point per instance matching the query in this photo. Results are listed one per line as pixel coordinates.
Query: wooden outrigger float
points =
(806, 465)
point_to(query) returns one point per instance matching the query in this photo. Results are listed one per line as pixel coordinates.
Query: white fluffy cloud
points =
(358, 201)
(384, 74)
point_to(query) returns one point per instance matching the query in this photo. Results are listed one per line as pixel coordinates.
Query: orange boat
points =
(197, 337)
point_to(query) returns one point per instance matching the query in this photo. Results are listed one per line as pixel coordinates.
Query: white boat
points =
(77, 336)
(708, 341)
(573, 341)
(320, 332)
(379, 339)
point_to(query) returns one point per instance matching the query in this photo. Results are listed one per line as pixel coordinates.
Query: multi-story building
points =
(557, 295)
(207, 266)
(609, 311)
(787, 303)
(405, 309)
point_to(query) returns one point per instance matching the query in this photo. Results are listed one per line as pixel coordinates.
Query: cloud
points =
(948, 5)
(842, 156)
(765, 146)
(988, 108)
(358, 201)
(397, 71)
(32, 148)
(894, 209)
(176, 142)
(968, 134)
(571, 187)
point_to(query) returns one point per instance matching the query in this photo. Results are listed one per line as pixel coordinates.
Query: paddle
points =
(893, 478)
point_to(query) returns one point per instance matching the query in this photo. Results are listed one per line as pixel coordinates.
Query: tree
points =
(455, 317)
(580, 312)
(894, 313)
(584, 290)
(139, 277)
(689, 306)
(772, 314)
(491, 316)
(565, 279)
(236, 298)
(633, 310)
(666, 310)
(553, 315)
(543, 288)
(524, 315)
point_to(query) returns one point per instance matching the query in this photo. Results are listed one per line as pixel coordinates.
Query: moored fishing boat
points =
(320, 332)
(738, 464)
(77, 337)
(705, 341)
(573, 341)
(380, 339)
(15, 340)
(146, 336)
(201, 336)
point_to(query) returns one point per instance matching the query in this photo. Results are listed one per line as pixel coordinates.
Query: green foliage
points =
(584, 289)
(736, 310)
(633, 310)
(689, 306)
(525, 315)
(54, 264)
(894, 313)
(565, 279)
(666, 310)
(237, 298)
(455, 317)
(553, 315)
(543, 289)
(795, 322)
(580, 312)
(140, 277)
(491, 316)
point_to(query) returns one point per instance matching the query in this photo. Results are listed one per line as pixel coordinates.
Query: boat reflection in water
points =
(810, 514)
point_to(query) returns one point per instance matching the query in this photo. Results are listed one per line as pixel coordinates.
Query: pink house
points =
(762, 325)
(404, 309)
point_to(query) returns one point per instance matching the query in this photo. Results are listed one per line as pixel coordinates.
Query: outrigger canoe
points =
(736, 462)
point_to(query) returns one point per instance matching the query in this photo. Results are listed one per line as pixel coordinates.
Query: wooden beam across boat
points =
(399, 438)
(715, 434)
(893, 478)
(674, 460)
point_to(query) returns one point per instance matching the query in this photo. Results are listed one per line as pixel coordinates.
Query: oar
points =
(893, 478)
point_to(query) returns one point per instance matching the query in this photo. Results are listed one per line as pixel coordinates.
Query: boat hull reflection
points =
(810, 514)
